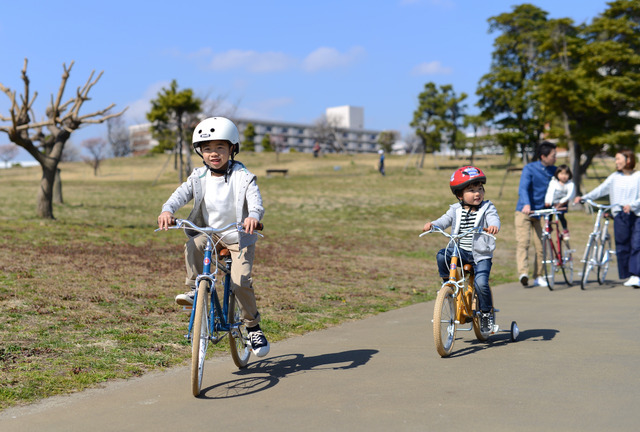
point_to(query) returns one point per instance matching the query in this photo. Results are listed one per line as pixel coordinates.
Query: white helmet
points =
(216, 128)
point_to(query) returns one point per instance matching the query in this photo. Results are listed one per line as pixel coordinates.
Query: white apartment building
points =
(347, 122)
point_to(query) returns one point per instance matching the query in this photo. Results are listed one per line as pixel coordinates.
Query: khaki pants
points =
(241, 280)
(524, 226)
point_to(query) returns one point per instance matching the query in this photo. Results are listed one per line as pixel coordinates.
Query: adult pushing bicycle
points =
(457, 302)
(557, 254)
(216, 311)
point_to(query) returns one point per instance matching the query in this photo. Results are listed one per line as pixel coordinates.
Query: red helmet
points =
(463, 177)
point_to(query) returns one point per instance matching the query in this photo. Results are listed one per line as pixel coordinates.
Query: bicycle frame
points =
(219, 312)
(558, 258)
(462, 281)
(595, 255)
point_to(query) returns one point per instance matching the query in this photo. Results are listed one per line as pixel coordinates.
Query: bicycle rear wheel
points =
(604, 257)
(549, 262)
(199, 337)
(589, 260)
(444, 321)
(567, 264)
(238, 336)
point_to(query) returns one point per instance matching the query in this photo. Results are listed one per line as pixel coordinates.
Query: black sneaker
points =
(259, 343)
(486, 322)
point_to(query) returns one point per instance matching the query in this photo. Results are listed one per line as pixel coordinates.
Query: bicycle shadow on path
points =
(273, 369)
(502, 339)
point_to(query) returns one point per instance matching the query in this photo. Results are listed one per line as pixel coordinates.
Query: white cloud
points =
(253, 61)
(331, 58)
(137, 110)
(273, 61)
(431, 68)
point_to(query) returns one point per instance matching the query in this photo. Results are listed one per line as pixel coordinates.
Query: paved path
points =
(575, 367)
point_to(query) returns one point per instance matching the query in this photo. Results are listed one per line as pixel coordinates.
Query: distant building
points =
(140, 139)
(347, 117)
(347, 120)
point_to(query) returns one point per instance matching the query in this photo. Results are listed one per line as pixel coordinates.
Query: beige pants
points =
(241, 280)
(524, 226)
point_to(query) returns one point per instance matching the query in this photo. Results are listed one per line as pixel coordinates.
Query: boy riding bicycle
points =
(471, 210)
(224, 192)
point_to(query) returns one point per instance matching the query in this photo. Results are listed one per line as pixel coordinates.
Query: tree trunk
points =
(45, 193)
(57, 188)
(575, 153)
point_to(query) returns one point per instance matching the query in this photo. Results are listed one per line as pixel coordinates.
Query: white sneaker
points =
(540, 281)
(186, 299)
(633, 281)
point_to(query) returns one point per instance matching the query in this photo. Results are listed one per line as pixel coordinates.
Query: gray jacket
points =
(248, 198)
(483, 246)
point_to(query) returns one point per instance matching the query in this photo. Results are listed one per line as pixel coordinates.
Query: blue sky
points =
(278, 60)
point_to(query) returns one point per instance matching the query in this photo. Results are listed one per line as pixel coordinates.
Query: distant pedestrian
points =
(381, 163)
(316, 149)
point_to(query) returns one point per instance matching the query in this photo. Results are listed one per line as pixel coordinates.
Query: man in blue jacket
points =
(533, 187)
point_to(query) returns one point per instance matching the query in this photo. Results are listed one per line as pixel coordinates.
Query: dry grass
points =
(89, 297)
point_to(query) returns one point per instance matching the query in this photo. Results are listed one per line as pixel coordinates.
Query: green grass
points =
(89, 297)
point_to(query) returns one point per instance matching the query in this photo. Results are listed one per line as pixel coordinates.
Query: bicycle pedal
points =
(187, 308)
(496, 310)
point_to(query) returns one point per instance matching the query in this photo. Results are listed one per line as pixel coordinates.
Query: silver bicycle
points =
(598, 252)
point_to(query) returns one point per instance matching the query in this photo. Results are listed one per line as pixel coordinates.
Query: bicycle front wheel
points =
(199, 337)
(589, 261)
(475, 309)
(549, 262)
(444, 321)
(604, 257)
(567, 264)
(238, 336)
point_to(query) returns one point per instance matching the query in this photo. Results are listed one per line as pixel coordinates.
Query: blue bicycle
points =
(212, 318)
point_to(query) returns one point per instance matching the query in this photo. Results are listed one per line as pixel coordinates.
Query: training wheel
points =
(515, 331)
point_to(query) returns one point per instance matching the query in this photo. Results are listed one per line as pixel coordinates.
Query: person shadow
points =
(264, 374)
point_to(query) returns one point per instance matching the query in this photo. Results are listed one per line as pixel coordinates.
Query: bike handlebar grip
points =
(260, 226)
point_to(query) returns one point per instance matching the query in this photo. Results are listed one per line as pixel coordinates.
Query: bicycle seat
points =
(224, 253)
(468, 268)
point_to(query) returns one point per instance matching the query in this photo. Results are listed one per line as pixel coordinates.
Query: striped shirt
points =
(467, 221)
(622, 190)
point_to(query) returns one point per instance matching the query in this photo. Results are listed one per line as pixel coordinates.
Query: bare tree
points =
(97, 148)
(62, 119)
(328, 134)
(8, 152)
(118, 136)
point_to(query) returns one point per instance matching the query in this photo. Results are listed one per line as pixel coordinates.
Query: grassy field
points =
(89, 297)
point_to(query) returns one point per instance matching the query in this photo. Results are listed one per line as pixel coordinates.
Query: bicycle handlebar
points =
(596, 205)
(475, 230)
(187, 224)
(545, 212)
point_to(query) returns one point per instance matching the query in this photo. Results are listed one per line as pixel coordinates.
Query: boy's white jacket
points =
(248, 199)
(483, 246)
